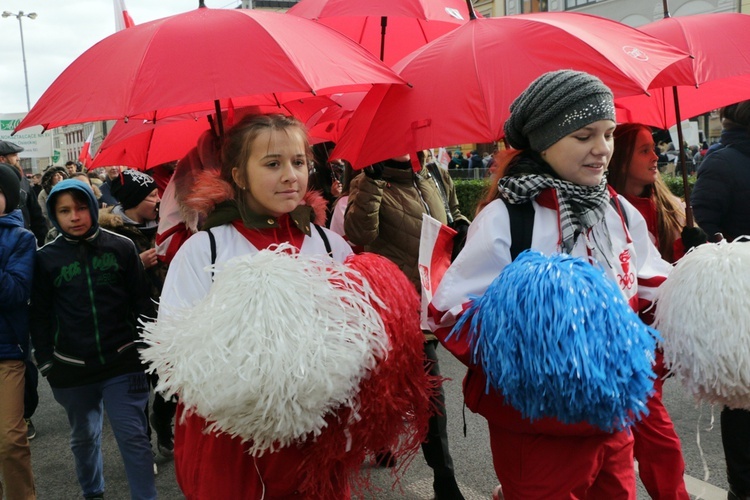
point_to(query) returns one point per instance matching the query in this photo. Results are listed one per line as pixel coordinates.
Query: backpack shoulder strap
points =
(521, 227)
(325, 239)
(212, 242)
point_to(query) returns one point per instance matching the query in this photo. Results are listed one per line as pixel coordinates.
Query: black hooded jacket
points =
(87, 296)
(721, 196)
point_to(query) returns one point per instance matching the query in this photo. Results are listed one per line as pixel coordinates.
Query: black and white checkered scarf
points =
(581, 207)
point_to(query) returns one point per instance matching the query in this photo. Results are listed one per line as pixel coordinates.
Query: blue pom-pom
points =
(556, 338)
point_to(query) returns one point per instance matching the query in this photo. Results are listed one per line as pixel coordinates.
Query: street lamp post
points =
(19, 16)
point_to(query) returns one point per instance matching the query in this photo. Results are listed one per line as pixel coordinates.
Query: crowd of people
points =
(84, 263)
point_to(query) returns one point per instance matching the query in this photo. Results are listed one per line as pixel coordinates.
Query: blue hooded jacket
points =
(17, 248)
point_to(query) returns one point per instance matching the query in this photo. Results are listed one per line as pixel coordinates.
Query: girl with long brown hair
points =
(633, 173)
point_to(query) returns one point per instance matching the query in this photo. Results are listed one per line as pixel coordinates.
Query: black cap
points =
(9, 148)
(10, 187)
(131, 187)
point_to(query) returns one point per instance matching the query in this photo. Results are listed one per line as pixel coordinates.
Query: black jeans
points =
(30, 394)
(164, 410)
(435, 447)
(735, 436)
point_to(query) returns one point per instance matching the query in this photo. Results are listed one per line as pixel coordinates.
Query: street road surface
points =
(56, 480)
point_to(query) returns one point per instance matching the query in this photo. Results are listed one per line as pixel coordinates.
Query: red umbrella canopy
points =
(184, 63)
(718, 43)
(409, 24)
(143, 144)
(392, 121)
(719, 70)
(154, 145)
(328, 124)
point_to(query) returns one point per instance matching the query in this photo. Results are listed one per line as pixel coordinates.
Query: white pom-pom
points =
(703, 315)
(280, 341)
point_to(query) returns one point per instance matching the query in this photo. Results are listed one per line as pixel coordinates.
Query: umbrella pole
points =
(683, 164)
(665, 3)
(383, 25)
(219, 123)
(685, 184)
(472, 14)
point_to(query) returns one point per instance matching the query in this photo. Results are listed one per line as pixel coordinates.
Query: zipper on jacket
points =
(94, 313)
(444, 195)
(419, 192)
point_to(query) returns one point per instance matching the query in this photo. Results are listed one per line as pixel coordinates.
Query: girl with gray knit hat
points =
(552, 188)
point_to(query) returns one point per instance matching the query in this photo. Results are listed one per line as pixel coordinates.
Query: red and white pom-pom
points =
(702, 313)
(394, 403)
(281, 341)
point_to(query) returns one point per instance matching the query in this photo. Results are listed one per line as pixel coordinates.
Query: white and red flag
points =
(435, 248)
(122, 18)
(86, 155)
(443, 158)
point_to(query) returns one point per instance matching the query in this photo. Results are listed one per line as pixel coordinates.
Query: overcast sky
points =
(62, 31)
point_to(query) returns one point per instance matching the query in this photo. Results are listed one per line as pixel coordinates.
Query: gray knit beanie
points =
(554, 105)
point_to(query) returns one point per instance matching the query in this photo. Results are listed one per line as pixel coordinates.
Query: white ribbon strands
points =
(703, 315)
(281, 341)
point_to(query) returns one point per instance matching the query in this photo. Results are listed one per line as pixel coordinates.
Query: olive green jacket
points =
(385, 215)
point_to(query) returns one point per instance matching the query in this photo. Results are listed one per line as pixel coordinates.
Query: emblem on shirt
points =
(627, 278)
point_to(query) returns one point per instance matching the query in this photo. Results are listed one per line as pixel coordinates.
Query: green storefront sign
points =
(9, 124)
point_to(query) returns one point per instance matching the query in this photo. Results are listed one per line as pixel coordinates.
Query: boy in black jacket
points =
(89, 291)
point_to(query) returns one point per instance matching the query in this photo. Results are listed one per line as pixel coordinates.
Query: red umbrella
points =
(390, 29)
(393, 121)
(143, 144)
(719, 74)
(658, 109)
(171, 140)
(328, 124)
(719, 71)
(188, 62)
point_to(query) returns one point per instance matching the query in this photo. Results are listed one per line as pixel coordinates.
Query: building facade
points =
(69, 139)
(631, 12)
(637, 13)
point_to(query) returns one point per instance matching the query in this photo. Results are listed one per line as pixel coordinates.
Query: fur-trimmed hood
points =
(198, 187)
(209, 190)
(109, 220)
(48, 174)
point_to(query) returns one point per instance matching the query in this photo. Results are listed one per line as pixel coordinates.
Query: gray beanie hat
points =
(554, 105)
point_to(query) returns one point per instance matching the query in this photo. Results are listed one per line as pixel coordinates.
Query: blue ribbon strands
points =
(557, 338)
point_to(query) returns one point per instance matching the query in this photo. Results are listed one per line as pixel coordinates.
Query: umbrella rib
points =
(421, 30)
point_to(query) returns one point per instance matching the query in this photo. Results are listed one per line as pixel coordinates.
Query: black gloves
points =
(692, 237)
(461, 226)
